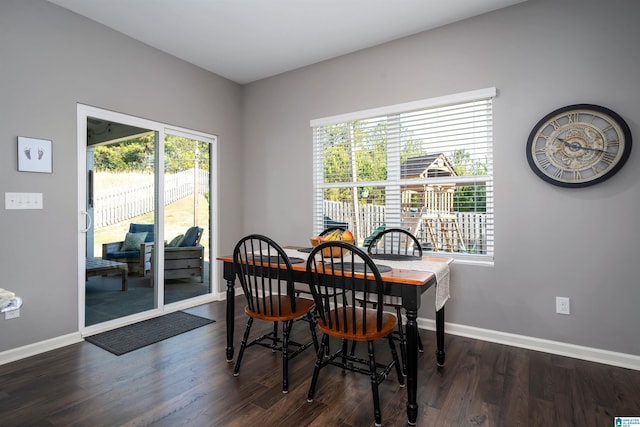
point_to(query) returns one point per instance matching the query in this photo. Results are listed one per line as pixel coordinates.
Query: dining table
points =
(404, 277)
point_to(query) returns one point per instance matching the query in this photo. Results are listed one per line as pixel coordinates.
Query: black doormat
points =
(132, 337)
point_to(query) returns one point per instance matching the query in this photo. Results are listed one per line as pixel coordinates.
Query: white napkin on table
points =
(441, 270)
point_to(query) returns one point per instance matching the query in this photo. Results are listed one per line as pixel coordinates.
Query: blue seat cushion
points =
(123, 254)
(190, 236)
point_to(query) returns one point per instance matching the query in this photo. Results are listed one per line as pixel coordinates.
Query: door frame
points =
(84, 111)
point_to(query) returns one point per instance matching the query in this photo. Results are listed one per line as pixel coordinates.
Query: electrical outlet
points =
(12, 314)
(562, 305)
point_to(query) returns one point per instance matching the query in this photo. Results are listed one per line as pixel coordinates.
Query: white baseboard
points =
(39, 347)
(607, 357)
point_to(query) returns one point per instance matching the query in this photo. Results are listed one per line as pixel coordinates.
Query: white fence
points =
(119, 204)
(457, 232)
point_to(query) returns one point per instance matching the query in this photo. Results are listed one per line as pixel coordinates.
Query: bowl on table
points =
(328, 252)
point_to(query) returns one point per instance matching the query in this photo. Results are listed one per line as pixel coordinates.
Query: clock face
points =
(579, 145)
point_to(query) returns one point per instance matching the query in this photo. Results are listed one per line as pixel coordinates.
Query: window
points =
(425, 166)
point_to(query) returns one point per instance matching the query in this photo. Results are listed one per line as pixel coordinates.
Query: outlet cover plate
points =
(563, 305)
(12, 314)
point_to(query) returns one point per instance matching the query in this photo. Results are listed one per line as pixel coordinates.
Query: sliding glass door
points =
(187, 219)
(145, 231)
(121, 202)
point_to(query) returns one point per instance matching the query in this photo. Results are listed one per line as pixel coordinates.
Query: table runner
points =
(440, 269)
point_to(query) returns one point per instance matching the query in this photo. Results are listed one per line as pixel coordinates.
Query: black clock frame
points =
(597, 108)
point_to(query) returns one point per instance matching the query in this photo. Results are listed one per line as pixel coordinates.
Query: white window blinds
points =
(425, 166)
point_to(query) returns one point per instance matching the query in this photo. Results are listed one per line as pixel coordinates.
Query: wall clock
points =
(578, 145)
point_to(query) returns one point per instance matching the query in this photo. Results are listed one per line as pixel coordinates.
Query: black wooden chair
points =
(396, 244)
(303, 288)
(265, 273)
(334, 282)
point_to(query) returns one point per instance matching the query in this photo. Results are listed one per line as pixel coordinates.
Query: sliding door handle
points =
(87, 221)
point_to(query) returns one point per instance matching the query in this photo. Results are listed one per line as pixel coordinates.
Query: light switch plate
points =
(22, 200)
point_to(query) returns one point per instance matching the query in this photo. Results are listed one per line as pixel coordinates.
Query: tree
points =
(121, 157)
(137, 155)
(180, 154)
(464, 165)
(469, 198)
(364, 143)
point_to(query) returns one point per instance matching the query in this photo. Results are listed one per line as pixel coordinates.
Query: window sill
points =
(462, 259)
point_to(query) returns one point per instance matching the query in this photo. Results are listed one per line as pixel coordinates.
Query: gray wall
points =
(51, 59)
(549, 241)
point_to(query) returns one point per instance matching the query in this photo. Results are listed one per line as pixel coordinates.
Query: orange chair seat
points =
(389, 321)
(278, 309)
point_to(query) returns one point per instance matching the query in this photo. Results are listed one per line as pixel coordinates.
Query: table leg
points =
(440, 336)
(230, 318)
(412, 365)
(125, 273)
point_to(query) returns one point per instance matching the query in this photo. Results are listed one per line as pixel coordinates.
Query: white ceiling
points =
(248, 40)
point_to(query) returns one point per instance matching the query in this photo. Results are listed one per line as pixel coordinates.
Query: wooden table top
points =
(396, 275)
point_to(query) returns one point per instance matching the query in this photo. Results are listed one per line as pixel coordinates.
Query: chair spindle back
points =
(258, 262)
(395, 241)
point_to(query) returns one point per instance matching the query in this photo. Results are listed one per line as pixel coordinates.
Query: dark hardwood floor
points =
(186, 381)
